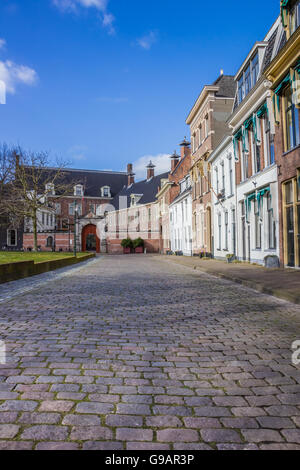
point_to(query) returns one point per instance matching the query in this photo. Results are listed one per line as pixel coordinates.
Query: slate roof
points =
(92, 180)
(147, 188)
(227, 86)
(269, 50)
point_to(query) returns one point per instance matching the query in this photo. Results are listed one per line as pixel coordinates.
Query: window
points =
(241, 90)
(72, 209)
(257, 226)
(206, 126)
(245, 164)
(11, 237)
(271, 224)
(50, 189)
(269, 139)
(294, 18)
(254, 70)
(43, 218)
(57, 208)
(226, 230)
(105, 191)
(255, 152)
(291, 120)
(289, 193)
(248, 78)
(223, 176)
(49, 242)
(230, 175)
(78, 190)
(92, 208)
(217, 180)
(220, 231)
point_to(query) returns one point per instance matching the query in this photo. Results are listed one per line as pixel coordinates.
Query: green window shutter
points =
(262, 110)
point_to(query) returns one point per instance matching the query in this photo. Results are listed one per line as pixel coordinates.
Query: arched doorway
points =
(90, 241)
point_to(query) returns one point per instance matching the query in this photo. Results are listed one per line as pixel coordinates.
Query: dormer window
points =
(135, 198)
(105, 191)
(78, 190)
(50, 189)
(248, 78)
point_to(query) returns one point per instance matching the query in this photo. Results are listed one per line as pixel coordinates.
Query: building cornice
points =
(200, 100)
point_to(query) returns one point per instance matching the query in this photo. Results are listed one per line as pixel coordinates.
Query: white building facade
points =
(223, 199)
(181, 219)
(253, 128)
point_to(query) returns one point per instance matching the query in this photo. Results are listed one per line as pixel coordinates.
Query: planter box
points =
(139, 249)
(126, 251)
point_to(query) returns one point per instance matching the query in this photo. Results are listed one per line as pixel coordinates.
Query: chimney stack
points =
(185, 148)
(150, 170)
(174, 160)
(130, 174)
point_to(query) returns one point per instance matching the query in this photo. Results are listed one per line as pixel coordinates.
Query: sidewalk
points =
(282, 283)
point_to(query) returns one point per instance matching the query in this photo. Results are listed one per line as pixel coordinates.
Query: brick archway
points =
(90, 240)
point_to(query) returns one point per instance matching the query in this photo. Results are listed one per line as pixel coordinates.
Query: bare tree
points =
(7, 171)
(36, 186)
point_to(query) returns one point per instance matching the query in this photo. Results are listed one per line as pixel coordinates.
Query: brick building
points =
(134, 212)
(284, 75)
(207, 121)
(92, 192)
(175, 236)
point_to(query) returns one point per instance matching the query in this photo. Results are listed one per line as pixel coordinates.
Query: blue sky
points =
(105, 82)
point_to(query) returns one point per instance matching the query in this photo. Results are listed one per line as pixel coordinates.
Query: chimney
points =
(185, 148)
(150, 170)
(130, 174)
(174, 160)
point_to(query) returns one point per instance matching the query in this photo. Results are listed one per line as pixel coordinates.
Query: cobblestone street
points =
(134, 352)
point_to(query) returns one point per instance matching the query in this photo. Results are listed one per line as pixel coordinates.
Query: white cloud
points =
(78, 152)
(161, 161)
(147, 41)
(107, 22)
(107, 19)
(72, 5)
(2, 43)
(13, 74)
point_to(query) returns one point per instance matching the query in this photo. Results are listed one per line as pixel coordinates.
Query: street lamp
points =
(75, 236)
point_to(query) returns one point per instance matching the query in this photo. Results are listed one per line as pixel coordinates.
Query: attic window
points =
(105, 191)
(135, 198)
(50, 189)
(78, 190)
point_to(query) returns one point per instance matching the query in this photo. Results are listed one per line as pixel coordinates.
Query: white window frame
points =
(79, 188)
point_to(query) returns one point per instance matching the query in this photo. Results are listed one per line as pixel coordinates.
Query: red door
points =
(90, 241)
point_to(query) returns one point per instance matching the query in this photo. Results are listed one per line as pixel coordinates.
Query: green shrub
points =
(127, 243)
(138, 242)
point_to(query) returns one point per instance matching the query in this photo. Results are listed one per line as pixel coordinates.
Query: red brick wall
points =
(61, 241)
(288, 164)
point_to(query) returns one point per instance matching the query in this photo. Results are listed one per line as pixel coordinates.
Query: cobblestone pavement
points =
(135, 353)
